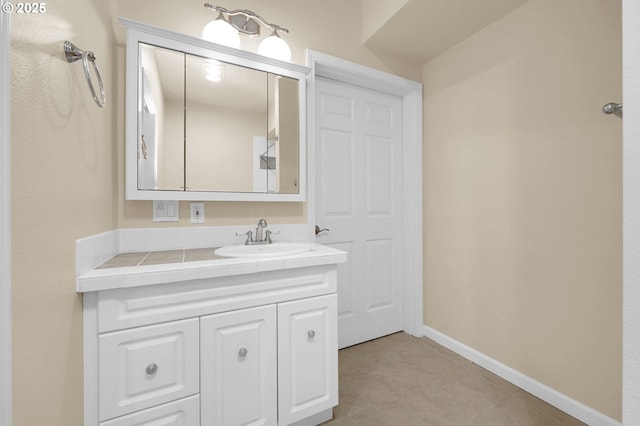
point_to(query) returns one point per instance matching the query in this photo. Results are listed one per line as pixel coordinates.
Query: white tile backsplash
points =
(96, 249)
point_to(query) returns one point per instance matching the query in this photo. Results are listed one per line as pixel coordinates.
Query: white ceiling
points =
(422, 29)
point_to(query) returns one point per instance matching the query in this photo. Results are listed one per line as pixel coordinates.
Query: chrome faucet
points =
(263, 235)
(260, 230)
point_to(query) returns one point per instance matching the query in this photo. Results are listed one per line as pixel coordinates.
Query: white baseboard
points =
(568, 405)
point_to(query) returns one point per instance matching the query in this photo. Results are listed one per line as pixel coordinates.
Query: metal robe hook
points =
(612, 108)
(73, 53)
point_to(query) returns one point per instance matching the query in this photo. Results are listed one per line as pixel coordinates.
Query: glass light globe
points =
(275, 47)
(221, 32)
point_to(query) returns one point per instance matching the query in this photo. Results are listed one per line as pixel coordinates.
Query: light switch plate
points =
(165, 211)
(196, 211)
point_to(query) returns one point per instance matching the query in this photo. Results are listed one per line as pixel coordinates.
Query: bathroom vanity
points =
(215, 341)
(189, 338)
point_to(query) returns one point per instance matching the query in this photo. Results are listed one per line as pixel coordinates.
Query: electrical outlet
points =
(197, 212)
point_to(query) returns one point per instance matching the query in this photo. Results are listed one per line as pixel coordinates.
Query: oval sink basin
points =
(263, 250)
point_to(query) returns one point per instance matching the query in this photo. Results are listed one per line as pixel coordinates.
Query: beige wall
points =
(312, 25)
(522, 196)
(62, 186)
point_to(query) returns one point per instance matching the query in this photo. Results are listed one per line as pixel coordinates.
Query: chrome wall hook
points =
(612, 108)
(73, 53)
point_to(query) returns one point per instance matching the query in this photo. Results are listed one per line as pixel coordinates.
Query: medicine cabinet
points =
(209, 122)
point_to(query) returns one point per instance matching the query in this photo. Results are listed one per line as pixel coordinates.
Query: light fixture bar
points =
(246, 13)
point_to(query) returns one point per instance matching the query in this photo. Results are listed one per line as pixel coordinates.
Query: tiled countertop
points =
(143, 258)
(159, 267)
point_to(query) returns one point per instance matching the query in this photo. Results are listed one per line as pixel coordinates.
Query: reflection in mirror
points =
(160, 119)
(226, 124)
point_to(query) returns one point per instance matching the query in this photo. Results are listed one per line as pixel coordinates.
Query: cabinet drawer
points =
(147, 366)
(307, 357)
(238, 353)
(184, 412)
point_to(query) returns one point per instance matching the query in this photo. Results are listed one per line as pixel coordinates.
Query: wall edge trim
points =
(6, 400)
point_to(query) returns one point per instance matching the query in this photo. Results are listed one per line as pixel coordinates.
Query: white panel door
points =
(307, 358)
(359, 199)
(239, 367)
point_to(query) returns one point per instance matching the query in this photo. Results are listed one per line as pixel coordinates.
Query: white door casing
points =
(359, 198)
(5, 222)
(631, 212)
(410, 92)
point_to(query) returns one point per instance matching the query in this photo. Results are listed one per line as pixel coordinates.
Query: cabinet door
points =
(307, 357)
(238, 366)
(147, 366)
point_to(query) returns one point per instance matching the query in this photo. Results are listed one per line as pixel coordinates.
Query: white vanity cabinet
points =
(249, 349)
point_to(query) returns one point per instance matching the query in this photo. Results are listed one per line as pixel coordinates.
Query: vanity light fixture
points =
(221, 31)
(227, 31)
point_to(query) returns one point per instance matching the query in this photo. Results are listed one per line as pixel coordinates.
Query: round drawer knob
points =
(152, 368)
(242, 352)
(311, 334)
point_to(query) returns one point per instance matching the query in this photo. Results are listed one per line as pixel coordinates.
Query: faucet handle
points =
(249, 235)
(268, 233)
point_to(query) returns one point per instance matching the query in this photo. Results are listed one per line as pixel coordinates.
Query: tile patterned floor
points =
(401, 380)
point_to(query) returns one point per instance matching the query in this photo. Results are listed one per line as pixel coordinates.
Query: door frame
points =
(323, 65)
(631, 212)
(5, 220)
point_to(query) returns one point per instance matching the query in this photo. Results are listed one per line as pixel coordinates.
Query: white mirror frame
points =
(139, 32)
